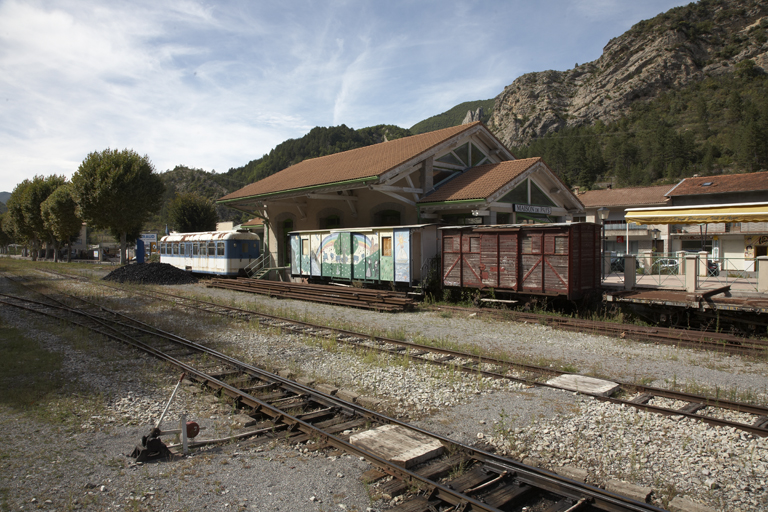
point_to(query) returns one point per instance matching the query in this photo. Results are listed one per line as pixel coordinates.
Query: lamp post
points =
(602, 213)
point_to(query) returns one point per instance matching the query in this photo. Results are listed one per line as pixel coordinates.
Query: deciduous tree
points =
(119, 191)
(191, 212)
(24, 209)
(60, 218)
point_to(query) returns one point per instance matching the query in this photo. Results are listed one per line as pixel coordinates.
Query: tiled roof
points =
(723, 183)
(626, 196)
(481, 181)
(370, 161)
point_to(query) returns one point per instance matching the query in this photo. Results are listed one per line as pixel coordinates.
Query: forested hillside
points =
(212, 186)
(715, 125)
(320, 141)
(454, 116)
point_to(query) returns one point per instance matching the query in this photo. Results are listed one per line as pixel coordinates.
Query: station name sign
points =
(528, 208)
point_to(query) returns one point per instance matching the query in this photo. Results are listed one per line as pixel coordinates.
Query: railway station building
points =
(455, 176)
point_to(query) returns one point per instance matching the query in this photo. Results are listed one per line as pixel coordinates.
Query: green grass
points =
(29, 374)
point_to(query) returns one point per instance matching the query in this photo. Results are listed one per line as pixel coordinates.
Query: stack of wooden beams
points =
(382, 300)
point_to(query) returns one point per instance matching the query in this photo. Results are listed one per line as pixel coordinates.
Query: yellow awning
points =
(701, 214)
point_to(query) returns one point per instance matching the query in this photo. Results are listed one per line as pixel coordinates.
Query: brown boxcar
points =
(540, 259)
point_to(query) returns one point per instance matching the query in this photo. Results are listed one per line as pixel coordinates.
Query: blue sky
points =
(213, 85)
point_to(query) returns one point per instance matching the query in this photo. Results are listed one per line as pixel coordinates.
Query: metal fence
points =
(735, 272)
(668, 270)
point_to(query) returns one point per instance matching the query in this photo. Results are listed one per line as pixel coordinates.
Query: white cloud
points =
(214, 85)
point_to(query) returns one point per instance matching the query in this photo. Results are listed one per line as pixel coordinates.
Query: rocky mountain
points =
(481, 110)
(675, 48)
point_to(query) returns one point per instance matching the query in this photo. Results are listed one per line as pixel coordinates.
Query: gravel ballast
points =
(720, 468)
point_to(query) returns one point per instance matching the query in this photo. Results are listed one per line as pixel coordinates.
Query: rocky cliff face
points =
(684, 44)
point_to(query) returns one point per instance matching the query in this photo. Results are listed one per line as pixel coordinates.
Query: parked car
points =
(666, 266)
(617, 264)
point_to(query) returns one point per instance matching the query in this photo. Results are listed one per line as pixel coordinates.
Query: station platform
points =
(713, 293)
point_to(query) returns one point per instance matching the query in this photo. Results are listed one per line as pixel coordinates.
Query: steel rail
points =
(667, 335)
(761, 429)
(541, 479)
(656, 392)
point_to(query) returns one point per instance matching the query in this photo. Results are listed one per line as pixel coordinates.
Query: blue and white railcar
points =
(224, 253)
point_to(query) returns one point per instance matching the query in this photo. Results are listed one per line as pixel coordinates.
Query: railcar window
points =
(386, 246)
(162, 248)
(220, 248)
(181, 249)
(211, 249)
(175, 248)
(305, 246)
(195, 249)
(245, 247)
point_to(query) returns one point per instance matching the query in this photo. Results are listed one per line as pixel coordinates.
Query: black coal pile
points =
(150, 273)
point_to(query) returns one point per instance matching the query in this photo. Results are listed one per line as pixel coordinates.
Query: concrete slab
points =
(368, 402)
(328, 389)
(346, 395)
(584, 384)
(572, 472)
(306, 381)
(679, 504)
(398, 444)
(636, 492)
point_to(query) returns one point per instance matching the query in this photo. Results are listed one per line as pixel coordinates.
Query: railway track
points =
(462, 478)
(750, 418)
(708, 340)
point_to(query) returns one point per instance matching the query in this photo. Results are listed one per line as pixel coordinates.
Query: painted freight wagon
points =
(224, 253)
(394, 254)
(538, 259)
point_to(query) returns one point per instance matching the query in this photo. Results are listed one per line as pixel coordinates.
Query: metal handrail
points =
(257, 264)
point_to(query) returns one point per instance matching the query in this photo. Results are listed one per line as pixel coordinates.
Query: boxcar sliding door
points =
(402, 255)
(386, 257)
(532, 261)
(360, 253)
(470, 260)
(315, 254)
(451, 258)
(556, 262)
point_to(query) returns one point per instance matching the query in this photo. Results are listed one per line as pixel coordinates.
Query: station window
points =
(331, 221)
(387, 218)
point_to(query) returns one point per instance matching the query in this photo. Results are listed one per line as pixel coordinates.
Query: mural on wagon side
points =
(381, 256)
